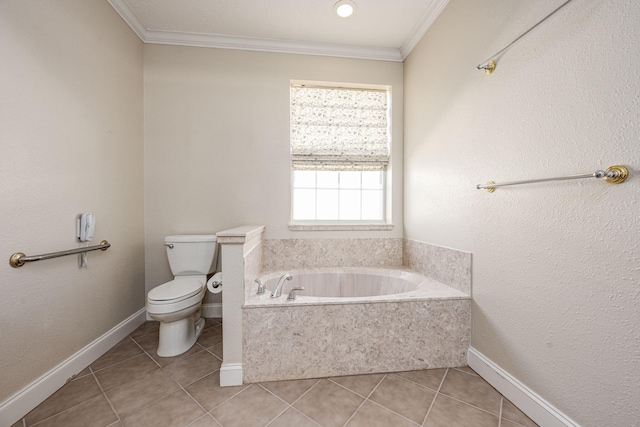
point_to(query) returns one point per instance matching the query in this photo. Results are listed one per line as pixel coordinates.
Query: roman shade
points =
(339, 129)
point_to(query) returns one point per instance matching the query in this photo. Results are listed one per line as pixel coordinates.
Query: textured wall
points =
(217, 141)
(556, 266)
(71, 138)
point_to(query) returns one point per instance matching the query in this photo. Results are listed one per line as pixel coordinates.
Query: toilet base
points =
(179, 336)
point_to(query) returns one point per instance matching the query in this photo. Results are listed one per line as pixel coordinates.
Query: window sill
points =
(341, 227)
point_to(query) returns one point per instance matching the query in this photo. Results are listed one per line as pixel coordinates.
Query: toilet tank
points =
(193, 254)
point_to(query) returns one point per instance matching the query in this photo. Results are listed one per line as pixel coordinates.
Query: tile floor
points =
(131, 386)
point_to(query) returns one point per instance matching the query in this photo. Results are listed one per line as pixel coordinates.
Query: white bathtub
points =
(343, 285)
(352, 320)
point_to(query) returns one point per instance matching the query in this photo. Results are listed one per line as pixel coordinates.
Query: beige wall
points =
(555, 265)
(71, 138)
(217, 141)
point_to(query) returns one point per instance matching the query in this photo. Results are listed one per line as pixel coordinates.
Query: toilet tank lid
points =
(189, 238)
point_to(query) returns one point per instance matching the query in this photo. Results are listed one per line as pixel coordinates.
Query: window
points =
(339, 154)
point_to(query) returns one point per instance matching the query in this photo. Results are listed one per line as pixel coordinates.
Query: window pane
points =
(372, 204)
(304, 179)
(327, 179)
(372, 179)
(350, 179)
(350, 204)
(328, 202)
(304, 204)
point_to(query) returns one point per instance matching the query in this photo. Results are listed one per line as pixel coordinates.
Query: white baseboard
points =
(230, 374)
(212, 310)
(35, 393)
(534, 406)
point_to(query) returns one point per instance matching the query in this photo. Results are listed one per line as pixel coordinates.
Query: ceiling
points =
(379, 29)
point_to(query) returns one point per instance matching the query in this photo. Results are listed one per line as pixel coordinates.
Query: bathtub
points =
(352, 320)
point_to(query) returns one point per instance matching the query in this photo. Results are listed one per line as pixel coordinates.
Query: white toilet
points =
(176, 304)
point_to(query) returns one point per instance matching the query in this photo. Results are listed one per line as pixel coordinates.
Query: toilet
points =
(176, 304)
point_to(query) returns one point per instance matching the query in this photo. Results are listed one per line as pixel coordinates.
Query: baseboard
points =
(212, 310)
(534, 406)
(35, 393)
(230, 374)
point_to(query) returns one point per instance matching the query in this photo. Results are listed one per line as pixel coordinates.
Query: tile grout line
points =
(373, 402)
(197, 403)
(418, 384)
(228, 399)
(62, 412)
(24, 419)
(105, 396)
(365, 399)
(435, 397)
(290, 405)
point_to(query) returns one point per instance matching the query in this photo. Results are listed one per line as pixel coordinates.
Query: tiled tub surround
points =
(425, 325)
(448, 266)
(314, 253)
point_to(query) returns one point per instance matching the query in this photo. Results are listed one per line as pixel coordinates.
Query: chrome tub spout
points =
(278, 289)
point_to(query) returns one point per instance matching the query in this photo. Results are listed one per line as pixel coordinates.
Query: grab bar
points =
(613, 175)
(18, 259)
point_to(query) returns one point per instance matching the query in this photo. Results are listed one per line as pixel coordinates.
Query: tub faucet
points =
(261, 287)
(278, 289)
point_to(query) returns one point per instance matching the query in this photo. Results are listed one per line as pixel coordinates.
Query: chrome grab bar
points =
(18, 259)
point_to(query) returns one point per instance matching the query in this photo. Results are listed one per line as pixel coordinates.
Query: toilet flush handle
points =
(170, 245)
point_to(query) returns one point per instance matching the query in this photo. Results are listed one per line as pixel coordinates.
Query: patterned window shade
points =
(339, 129)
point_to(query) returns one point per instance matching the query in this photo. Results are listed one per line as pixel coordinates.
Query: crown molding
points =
(132, 20)
(427, 19)
(281, 46)
(272, 45)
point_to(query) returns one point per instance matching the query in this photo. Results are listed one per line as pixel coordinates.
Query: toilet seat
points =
(176, 290)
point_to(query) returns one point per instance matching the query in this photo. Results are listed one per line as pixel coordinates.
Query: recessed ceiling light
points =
(344, 8)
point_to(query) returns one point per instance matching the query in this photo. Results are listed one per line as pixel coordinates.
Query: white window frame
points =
(365, 225)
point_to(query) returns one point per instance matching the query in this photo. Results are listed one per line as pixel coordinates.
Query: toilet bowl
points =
(176, 304)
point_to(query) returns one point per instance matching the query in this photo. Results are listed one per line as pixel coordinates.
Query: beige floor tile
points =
(145, 329)
(293, 418)
(124, 372)
(374, 415)
(361, 384)
(216, 349)
(253, 407)
(289, 391)
(166, 361)
(142, 391)
(466, 369)
(123, 351)
(205, 421)
(447, 412)
(95, 412)
(471, 389)
(328, 404)
(148, 342)
(84, 372)
(512, 413)
(211, 336)
(70, 395)
(191, 369)
(506, 423)
(177, 409)
(212, 322)
(404, 397)
(208, 393)
(431, 378)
